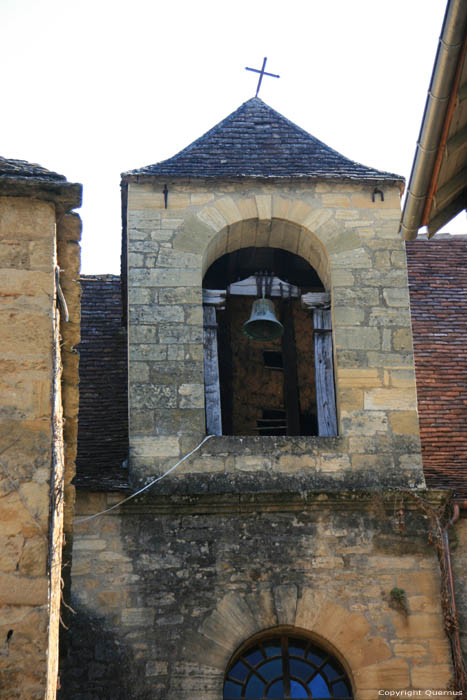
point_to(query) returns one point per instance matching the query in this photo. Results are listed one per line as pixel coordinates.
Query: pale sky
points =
(92, 88)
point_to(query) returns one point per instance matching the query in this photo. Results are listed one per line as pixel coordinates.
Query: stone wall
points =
(31, 435)
(166, 590)
(351, 242)
(458, 540)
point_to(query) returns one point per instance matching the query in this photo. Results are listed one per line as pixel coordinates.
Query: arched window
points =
(286, 666)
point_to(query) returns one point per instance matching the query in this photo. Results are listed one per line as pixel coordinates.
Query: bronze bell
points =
(263, 324)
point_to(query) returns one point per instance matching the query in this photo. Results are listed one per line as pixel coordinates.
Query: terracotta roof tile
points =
(438, 296)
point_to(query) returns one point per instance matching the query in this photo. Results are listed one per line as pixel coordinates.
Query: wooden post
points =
(211, 373)
(289, 355)
(324, 373)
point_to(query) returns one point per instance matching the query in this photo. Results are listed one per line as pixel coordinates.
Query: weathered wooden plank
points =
(316, 300)
(324, 373)
(247, 287)
(211, 373)
(289, 355)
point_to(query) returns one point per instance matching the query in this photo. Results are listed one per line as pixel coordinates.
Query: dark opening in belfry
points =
(260, 356)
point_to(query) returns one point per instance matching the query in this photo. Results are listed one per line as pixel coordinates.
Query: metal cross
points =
(262, 72)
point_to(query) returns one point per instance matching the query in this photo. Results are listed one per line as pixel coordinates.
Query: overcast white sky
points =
(92, 88)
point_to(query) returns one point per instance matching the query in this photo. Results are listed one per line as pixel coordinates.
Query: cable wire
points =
(154, 481)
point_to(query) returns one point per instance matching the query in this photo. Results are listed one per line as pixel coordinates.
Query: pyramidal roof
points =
(257, 141)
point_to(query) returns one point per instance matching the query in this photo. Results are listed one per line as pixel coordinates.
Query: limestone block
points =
(201, 465)
(365, 377)
(392, 673)
(263, 609)
(390, 318)
(33, 560)
(293, 463)
(24, 218)
(228, 208)
(331, 462)
(390, 359)
(153, 314)
(361, 338)
(402, 340)
(280, 207)
(171, 257)
(335, 200)
(391, 399)
(404, 422)
(364, 422)
(264, 206)
(191, 395)
(353, 259)
(160, 446)
(212, 218)
(10, 552)
(285, 599)
(231, 622)
(252, 464)
(348, 316)
(137, 617)
(23, 590)
(164, 277)
(433, 676)
(394, 296)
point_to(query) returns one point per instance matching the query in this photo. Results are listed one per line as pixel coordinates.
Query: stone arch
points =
(237, 618)
(271, 221)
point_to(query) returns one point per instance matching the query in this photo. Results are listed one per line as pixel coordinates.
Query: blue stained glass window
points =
(271, 670)
(254, 657)
(296, 650)
(273, 648)
(254, 688)
(319, 688)
(276, 690)
(232, 690)
(340, 690)
(331, 673)
(297, 690)
(239, 671)
(300, 669)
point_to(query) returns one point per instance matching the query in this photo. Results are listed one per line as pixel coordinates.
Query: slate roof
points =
(10, 168)
(256, 141)
(103, 400)
(19, 178)
(438, 296)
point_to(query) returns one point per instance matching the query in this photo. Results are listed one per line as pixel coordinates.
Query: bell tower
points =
(237, 217)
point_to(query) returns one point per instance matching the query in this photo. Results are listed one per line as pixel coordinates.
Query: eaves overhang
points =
(437, 189)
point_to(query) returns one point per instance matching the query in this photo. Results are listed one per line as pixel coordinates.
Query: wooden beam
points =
(451, 189)
(324, 373)
(446, 214)
(211, 373)
(316, 300)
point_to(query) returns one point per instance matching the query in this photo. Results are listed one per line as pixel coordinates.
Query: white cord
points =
(133, 495)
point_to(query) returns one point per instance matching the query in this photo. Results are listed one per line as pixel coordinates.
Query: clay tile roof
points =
(103, 401)
(438, 296)
(10, 168)
(257, 141)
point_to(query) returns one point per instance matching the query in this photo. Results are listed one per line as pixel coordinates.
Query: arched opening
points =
(267, 386)
(285, 665)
